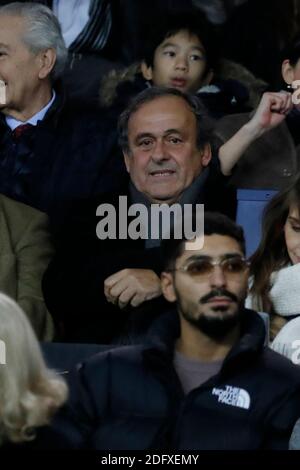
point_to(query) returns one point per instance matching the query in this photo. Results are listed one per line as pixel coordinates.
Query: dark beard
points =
(214, 327)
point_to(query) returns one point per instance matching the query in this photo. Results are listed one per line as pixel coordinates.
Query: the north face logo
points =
(233, 396)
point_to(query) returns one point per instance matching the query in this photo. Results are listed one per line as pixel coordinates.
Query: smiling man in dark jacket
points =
(165, 136)
(203, 379)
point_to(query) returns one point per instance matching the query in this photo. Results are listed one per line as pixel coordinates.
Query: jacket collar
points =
(166, 330)
(52, 114)
(59, 103)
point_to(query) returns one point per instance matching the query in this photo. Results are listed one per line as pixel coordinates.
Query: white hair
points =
(42, 31)
(30, 393)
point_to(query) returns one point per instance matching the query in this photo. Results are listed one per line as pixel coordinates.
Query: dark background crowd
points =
(159, 104)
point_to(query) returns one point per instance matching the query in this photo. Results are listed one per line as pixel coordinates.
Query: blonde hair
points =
(30, 393)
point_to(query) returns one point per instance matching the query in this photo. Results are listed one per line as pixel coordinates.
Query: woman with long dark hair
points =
(275, 266)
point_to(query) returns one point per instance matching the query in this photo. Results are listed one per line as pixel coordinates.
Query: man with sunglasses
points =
(209, 286)
(203, 380)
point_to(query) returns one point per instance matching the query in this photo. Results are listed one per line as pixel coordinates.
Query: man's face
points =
(179, 62)
(164, 158)
(19, 68)
(209, 302)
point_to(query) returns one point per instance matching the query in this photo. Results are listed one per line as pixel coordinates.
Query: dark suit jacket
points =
(74, 282)
(73, 155)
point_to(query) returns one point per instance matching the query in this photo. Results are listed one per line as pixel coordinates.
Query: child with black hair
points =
(271, 161)
(182, 52)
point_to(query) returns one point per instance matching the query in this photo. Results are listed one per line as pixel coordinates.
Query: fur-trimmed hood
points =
(228, 71)
(111, 81)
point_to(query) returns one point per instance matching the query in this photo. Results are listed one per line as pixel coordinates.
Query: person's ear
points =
(47, 59)
(167, 286)
(147, 71)
(287, 72)
(206, 155)
(127, 161)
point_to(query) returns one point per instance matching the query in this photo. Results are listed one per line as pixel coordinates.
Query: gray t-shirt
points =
(192, 373)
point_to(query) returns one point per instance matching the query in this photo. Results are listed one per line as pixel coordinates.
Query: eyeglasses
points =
(202, 268)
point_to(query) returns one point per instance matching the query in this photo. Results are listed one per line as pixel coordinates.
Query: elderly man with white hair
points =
(49, 151)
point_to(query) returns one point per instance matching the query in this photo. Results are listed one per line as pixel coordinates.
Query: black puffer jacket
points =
(130, 398)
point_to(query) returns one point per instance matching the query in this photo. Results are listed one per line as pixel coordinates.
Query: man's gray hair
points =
(42, 31)
(204, 123)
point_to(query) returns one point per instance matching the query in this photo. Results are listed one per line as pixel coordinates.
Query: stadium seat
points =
(250, 206)
(64, 356)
